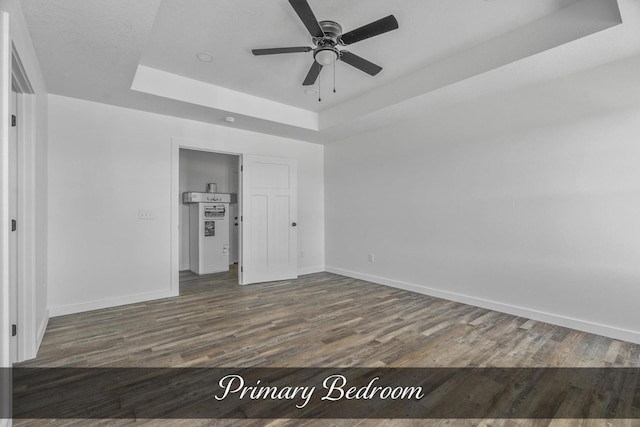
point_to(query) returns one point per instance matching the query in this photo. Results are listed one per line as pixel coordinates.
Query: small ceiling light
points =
(230, 119)
(204, 56)
(326, 55)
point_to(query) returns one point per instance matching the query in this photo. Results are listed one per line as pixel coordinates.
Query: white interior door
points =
(269, 211)
(13, 235)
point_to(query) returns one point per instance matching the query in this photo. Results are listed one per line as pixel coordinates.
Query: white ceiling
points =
(445, 52)
(229, 29)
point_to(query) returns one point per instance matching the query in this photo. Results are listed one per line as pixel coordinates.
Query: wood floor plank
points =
(319, 320)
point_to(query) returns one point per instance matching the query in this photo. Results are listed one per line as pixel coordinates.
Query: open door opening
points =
(209, 221)
(262, 225)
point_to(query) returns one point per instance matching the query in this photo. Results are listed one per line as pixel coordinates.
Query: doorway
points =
(267, 208)
(204, 171)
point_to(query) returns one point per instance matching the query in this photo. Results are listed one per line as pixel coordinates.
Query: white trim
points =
(240, 248)
(42, 328)
(310, 270)
(5, 90)
(20, 74)
(109, 303)
(27, 338)
(556, 319)
(176, 145)
(174, 220)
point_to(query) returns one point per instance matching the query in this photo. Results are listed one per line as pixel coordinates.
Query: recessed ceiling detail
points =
(180, 88)
(141, 55)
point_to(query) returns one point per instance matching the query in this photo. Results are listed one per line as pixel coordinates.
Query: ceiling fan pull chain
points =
(334, 77)
(319, 90)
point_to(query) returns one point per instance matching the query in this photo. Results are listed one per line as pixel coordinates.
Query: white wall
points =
(197, 169)
(542, 222)
(105, 164)
(33, 314)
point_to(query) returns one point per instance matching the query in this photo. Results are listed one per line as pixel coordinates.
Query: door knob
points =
(293, 224)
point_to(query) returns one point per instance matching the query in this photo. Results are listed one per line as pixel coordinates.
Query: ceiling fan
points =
(328, 38)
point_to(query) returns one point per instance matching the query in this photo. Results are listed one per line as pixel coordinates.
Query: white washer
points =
(208, 233)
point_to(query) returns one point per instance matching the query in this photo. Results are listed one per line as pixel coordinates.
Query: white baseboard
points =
(5, 422)
(555, 319)
(310, 270)
(42, 328)
(109, 302)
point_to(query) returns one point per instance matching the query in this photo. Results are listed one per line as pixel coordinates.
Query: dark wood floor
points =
(320, 320)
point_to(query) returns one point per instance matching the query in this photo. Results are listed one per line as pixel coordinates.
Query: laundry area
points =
(209, 218)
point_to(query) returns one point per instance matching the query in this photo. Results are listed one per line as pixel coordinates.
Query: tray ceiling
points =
(143, 54)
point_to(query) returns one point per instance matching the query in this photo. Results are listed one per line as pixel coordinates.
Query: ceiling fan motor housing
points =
(326, 52)
(332, 32)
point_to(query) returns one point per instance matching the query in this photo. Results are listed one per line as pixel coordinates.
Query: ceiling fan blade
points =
(278, 50)
(373, 29)
(313, 74)
(360, 63)
(307, 17)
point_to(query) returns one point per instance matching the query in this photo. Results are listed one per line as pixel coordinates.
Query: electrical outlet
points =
(372, 258)
(145, 215)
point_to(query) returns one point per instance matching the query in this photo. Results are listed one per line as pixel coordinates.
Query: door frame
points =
(208, 146)
(28, 337)
(234, 230)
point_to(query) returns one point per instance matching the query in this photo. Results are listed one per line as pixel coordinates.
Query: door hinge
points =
(241, 218)
(14, 225)
(242, 168)
(241, 269)
(14, 330)
(14, 120)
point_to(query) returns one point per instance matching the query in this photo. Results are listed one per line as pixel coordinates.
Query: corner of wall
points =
(41, 329)
(310, 270)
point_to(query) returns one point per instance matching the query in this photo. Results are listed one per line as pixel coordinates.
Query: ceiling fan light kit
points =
(326, 55)
(328, 38)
